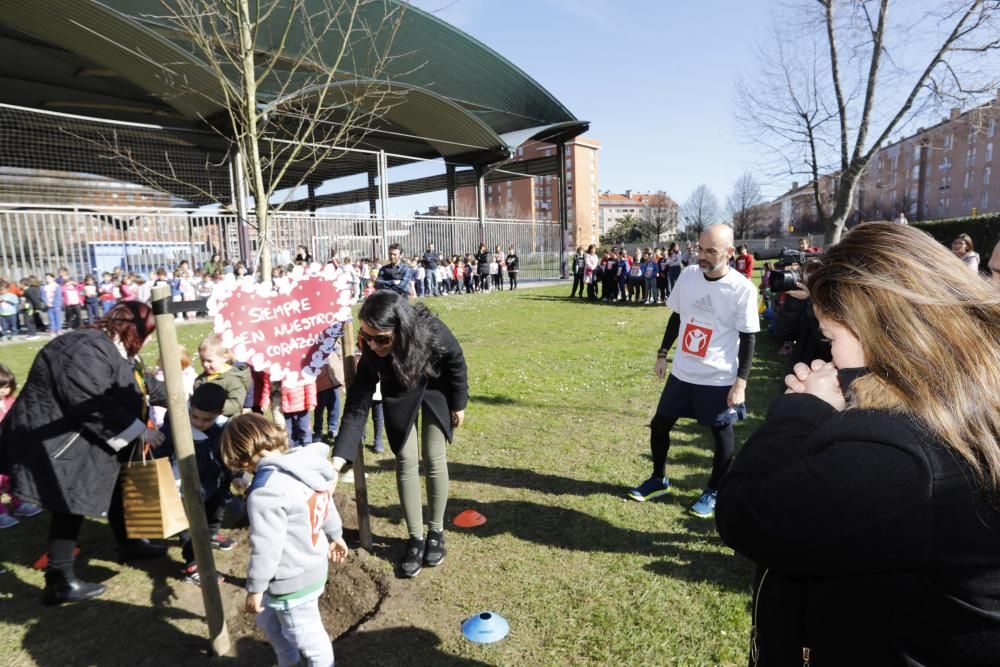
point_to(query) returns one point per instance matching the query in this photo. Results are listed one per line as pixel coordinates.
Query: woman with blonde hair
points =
(870, 496)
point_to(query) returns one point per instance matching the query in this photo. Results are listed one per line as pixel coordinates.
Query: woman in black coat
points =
(870, 496)
(422, 371)
(82, 406)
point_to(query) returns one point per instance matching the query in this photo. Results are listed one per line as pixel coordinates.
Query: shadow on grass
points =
(397, 646)
(571, 529)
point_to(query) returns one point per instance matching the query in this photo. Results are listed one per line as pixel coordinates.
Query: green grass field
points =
(556, 432)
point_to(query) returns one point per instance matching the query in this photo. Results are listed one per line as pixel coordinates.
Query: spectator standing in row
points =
(8, 311)
(483, 267)
(499, 257)
(577, 266)
(431, 262)
(744, 262)
(513, 266)
(52, 293)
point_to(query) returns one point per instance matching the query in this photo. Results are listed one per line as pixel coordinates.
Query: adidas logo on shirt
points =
(704, 304)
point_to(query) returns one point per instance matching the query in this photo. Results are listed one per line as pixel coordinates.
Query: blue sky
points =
(654, 77)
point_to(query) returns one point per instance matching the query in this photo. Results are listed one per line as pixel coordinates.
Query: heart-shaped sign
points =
(287, 331)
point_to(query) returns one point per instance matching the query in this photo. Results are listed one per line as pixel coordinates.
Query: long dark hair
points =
(415, 350)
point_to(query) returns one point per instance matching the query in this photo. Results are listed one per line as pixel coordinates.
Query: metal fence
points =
(41, 240)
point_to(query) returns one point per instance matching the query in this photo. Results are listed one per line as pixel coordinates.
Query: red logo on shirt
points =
(319, 509)
(695, 340)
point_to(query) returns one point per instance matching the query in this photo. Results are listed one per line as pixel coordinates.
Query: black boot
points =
(140, 550)
(61, 584)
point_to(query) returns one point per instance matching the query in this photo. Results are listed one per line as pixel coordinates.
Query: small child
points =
(217, 361)
(296, 402)
(72, 302)
(292, 517)
(207, 423)
(188, 374)
(106, 291)
(52, 292)
(329, 384)
(91, 300)
(9, 304)
(23, 509)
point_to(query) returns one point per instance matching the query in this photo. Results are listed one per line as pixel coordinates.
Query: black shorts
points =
(681, 399)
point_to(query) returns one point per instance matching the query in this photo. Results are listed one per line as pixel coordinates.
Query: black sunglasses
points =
(381, 341)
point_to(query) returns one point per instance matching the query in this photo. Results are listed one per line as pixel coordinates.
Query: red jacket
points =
(293, 399)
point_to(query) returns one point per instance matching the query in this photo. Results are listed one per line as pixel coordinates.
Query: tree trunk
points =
(249, 144)
(846, 185)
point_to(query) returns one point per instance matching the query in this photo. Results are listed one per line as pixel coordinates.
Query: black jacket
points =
(438, 397)
(874, 544)
(395, 277)
(483, 260)
(80, 394)
(513, 263)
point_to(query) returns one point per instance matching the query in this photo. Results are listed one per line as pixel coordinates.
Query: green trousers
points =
(434, 446)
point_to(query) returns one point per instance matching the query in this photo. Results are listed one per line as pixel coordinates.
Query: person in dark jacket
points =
(483, 267)
(395, 275)
(431, 261)
(422, 372)
(82, 409)
(577, 263)
(870, 496)
(513, 266)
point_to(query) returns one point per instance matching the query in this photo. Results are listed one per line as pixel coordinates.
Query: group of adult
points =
(869, 498)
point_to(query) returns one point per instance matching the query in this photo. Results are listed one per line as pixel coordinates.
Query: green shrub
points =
(983, 229)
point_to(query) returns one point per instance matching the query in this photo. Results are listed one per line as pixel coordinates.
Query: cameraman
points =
(795, 322)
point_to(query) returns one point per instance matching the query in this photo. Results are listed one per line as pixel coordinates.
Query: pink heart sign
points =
(287, 331)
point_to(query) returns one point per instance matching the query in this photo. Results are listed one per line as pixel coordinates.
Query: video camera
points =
(786, 280)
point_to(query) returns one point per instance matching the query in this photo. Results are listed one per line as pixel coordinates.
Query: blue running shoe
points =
(653, 487)
(705, 506)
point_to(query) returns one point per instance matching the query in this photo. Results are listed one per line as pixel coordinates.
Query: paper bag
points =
(153, 507)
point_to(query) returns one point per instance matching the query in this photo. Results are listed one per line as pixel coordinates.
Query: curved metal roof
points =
(120, 60)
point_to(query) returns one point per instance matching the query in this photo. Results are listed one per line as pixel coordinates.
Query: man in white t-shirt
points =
(714, 320)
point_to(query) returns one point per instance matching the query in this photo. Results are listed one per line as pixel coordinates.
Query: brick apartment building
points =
(944, 171)
(537, 198)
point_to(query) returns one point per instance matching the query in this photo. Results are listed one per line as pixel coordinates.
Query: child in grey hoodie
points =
(292, 515)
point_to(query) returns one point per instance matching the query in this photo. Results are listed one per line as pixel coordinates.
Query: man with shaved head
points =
(714, 320)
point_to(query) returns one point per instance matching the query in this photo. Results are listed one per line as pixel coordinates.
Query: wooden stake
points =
(180, 427)
(360, 484)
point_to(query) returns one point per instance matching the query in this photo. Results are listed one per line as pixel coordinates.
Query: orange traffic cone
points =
(469, 519)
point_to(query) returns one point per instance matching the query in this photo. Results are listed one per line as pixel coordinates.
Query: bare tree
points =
(840, 77)
(659, 217)
(699, 211)
(300, 81)
(745, 206)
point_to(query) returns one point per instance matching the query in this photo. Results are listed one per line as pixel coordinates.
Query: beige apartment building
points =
(537, 197)
(615, 206)
(944, 171)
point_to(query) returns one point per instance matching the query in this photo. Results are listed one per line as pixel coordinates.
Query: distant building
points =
(944, 171)
(537, 197)
(615, 206)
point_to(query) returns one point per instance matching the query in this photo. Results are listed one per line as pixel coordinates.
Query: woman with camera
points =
(870, 496)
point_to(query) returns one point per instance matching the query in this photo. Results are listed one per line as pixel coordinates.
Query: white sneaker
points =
(27, 510)
(7, 521)
(348, 477)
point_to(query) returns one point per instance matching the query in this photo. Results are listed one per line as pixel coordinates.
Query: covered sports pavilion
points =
(103, 62)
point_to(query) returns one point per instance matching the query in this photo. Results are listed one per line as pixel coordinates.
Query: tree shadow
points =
(397, 646)
(493, 400)
(107, 633)
(571, 529)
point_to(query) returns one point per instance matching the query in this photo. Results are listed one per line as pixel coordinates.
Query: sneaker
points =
(435, 551)
(7, 521)
(222, 543)
(379, 448)
(705, 506)
(192, 576)
(413, 558)
(27, 510)
(654, 487)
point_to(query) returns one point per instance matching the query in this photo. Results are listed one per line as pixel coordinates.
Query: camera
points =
(786, 280)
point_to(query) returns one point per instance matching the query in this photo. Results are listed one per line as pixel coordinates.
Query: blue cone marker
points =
(485, 628)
